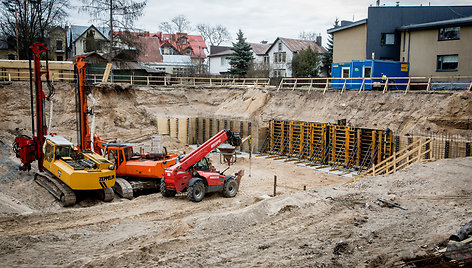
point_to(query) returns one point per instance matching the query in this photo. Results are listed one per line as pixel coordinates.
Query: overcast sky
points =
(261, 19)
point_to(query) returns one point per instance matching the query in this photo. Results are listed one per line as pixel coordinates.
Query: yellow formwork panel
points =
(182, 132)
(173, 124)
(163, 126)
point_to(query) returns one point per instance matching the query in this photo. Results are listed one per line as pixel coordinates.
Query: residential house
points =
(384, 34)
(218, 61)
(151, 55)
(281, 53)
(7, 52)
(77, 40)
(57, 44)
(184, 44)
(219, 57)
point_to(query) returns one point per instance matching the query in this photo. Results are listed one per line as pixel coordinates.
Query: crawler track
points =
(56, 187)
(123, 188)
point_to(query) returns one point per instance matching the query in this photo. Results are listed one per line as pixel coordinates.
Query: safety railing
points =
(180, 81)
(54, 75)
(403, 84)
(378, 83)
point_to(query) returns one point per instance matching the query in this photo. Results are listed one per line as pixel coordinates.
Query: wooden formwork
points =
(326, 144)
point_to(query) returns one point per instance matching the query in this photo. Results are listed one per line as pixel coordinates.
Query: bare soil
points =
(331, 224)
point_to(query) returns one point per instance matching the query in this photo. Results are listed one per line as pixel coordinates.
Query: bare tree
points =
(179, 24)
(214, 35)
(23, 22)
(119, 15)
(310, 36)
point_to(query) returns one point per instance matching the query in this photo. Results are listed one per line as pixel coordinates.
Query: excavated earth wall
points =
(123, 109)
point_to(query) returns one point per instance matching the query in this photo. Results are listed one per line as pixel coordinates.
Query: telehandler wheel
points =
(196, 192)
(230, 188)
(166, 192)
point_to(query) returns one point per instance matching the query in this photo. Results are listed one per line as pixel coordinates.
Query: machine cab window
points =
(112, 155)
(62, 151)
(202, 165)
(48, 152)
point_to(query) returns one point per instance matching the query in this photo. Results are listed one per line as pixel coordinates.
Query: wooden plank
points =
(106, 74)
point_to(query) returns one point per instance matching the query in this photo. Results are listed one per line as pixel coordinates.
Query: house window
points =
(59, 45)
(279, 73)
(223, 61)
(447, 62)
(280, 57)
(60, 58)
(449, 33)
(183, 40)
(346, 72)
(266, 59)
(189, 51)
(280, 46)
(387, 39)
(367, 71)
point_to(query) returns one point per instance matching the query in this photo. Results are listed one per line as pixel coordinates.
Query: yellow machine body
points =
(80, 171)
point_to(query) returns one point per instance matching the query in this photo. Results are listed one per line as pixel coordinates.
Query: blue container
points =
(357, 70)
(337, 72)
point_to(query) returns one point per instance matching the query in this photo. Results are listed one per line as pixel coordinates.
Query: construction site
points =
(308, 176)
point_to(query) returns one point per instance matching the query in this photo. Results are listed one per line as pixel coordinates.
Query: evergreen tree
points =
(328, 56)
(241, 57)
(306, 63)
(90, 44)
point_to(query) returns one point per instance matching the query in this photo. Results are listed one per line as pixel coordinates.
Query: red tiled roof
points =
(194, 42)
(149, 49)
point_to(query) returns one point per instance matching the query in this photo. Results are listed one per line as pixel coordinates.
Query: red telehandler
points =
(135, 171)
(194, 174)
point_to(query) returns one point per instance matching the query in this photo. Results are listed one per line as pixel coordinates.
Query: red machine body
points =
(194, 169)
(26, 148)
(84, 138)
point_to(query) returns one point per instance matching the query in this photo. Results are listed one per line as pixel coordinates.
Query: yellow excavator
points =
(63, 169)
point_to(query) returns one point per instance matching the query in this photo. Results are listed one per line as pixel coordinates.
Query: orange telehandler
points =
(135, 171)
